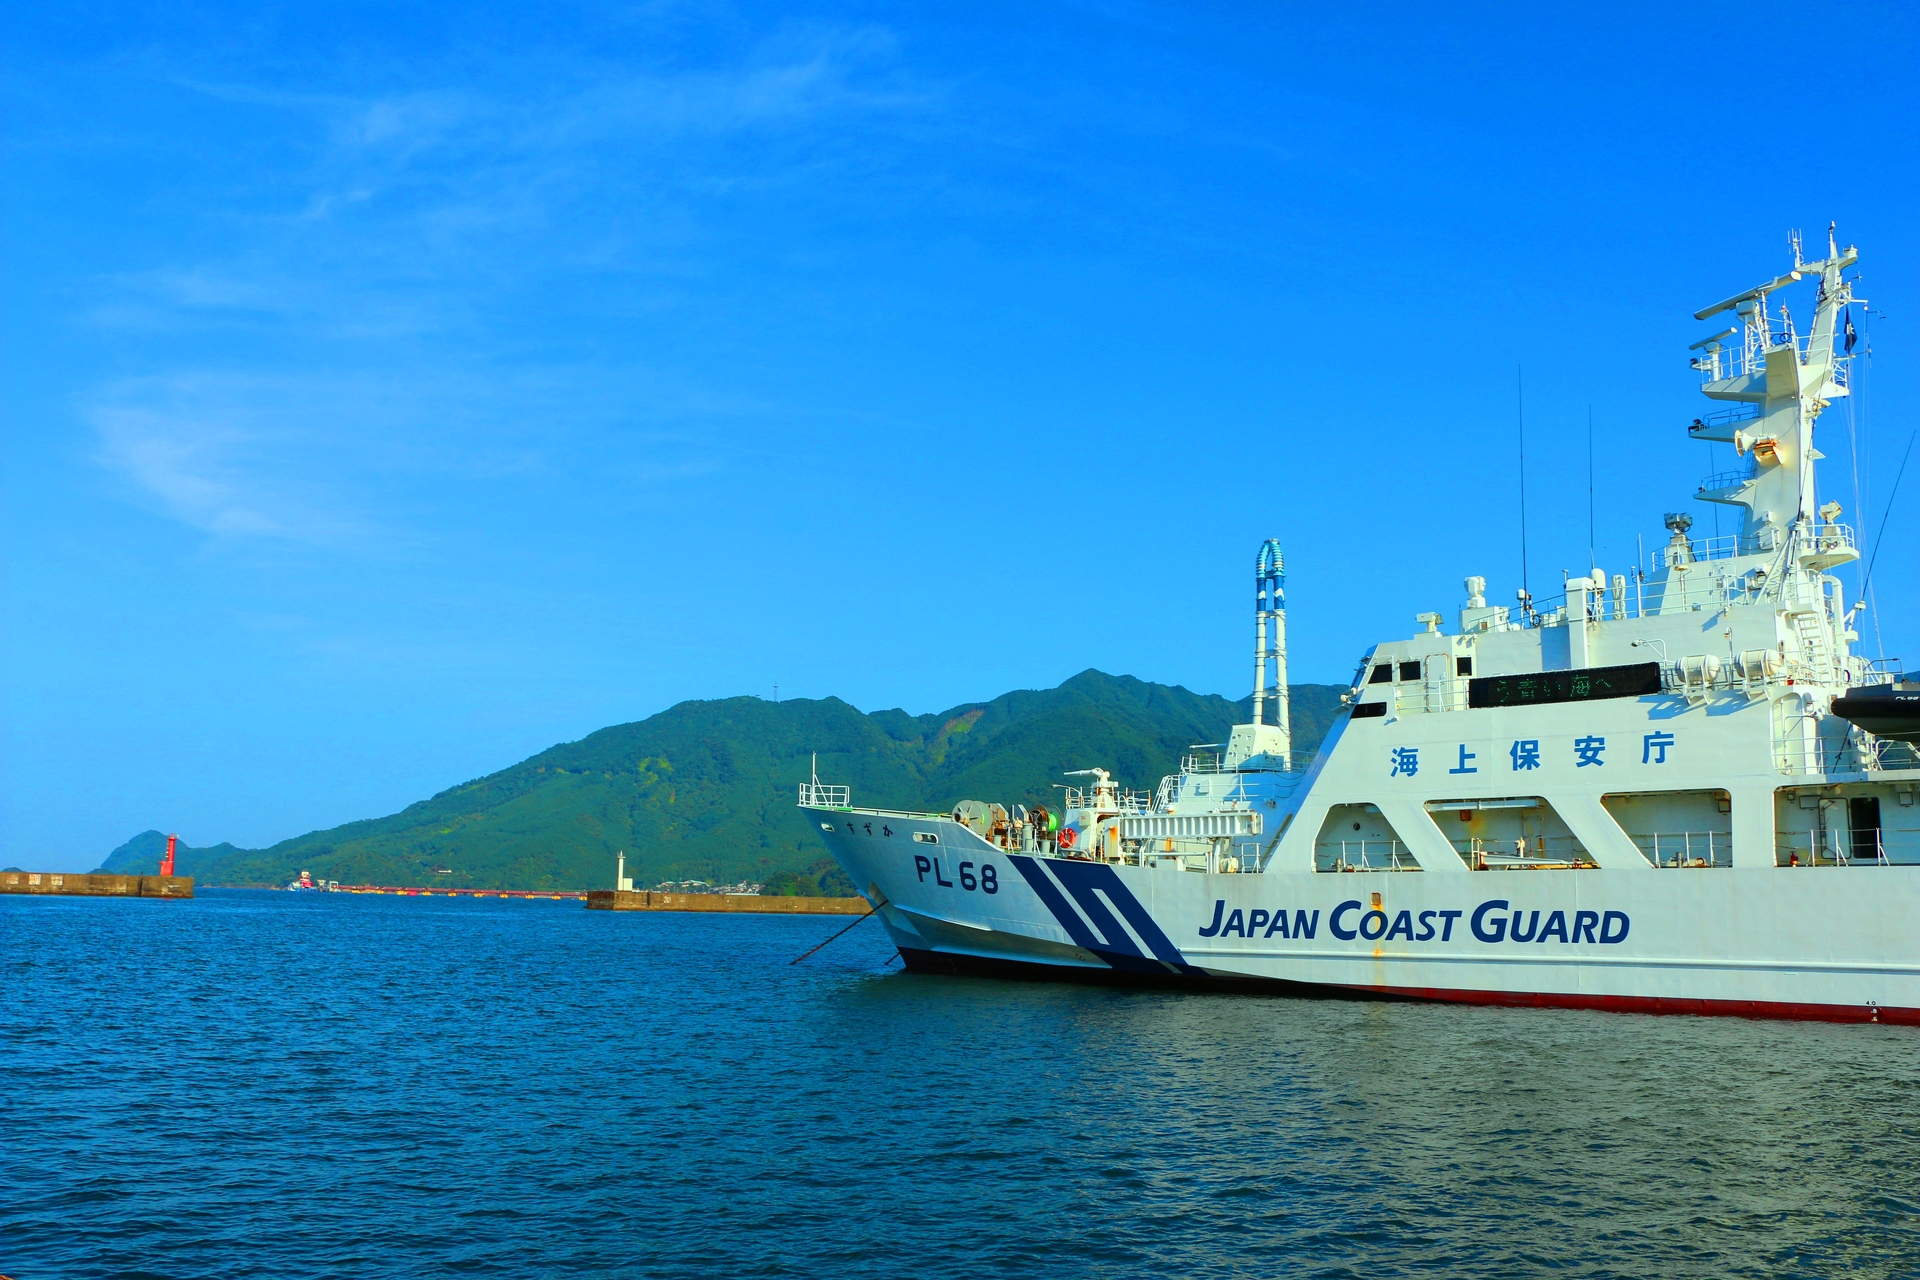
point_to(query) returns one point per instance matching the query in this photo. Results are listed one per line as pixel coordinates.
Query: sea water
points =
(307, 1085)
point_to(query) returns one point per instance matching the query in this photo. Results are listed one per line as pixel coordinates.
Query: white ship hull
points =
(1706, 941)
(1675, 790)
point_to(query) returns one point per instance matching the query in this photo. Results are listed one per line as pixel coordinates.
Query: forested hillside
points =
(705, 790)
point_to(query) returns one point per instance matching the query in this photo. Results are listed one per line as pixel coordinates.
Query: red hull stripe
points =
(1781, 1009)
(943, 962)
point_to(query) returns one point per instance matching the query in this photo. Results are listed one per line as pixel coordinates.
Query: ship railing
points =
(1125, 800)
(1834, 847)
(1364, 855)
(1281, 787)
(1202, 762)
(1546, 611)
(1728, 417)
(1882, 671)
(1884, 754)
(1727, 479)
(1442, 693)
(1827, 537)
(1161, 860)
(1673, 849)
(1745, 353)
(1726, 547)
(1552, 611)
(1531, 853)
(1800, 756)
(815, 795)
(1860, 754)
(1706, 590)
(1721, 364)
(1681, 593)
(1819, 538)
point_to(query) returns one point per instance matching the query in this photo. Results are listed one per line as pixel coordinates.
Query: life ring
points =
(1066, 837)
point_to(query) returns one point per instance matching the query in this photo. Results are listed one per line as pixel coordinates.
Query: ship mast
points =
(1778, 383)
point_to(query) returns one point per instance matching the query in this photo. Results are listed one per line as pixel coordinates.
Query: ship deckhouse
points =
(1677, 715)
(1703, 712)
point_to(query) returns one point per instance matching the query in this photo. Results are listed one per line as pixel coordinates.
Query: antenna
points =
(1590, 555)
(1853, 466)
(1888, 511)
(1520, 404)
(1738, 449)
(1862, 386)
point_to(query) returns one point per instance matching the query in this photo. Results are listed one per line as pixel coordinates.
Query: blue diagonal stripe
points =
(1084, 877)
(1062, 910)
(1080, 880)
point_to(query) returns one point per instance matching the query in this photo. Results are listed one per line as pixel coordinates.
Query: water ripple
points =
(278, 1085)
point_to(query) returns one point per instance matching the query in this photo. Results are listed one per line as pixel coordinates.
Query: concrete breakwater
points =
(95, 884)
(651, 900)
(427, 891)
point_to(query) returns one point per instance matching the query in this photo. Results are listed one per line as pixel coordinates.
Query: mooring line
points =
(799, 958)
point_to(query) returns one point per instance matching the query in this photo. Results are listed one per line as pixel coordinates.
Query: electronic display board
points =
(1634, 680)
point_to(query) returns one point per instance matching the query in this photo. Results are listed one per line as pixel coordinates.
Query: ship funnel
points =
(1270, 641)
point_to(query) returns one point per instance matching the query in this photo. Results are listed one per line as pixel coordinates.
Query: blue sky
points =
(393, 391)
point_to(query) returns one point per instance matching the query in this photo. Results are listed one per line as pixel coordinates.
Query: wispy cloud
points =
(395, 276)
(349, 460)
(200, 450)
(469, 161)
(187, 467)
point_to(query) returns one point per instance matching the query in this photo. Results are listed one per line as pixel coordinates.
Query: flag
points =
(1850, 333)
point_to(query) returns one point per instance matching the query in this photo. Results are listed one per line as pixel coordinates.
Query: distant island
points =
(705, 790)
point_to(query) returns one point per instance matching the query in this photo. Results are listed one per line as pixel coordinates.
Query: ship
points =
(1679, 789)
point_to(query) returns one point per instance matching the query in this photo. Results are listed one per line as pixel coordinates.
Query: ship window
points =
(1366, 709)
(1634, 680)
(1463, 666)
(1410, 671)
(926, 837)
(1381, 674)
(1678, 828)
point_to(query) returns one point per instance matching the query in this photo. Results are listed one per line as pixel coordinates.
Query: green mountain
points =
(705, 790)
